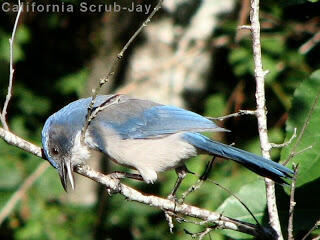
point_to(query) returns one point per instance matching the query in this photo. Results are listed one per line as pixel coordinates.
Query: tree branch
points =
(8, 97)
(115, 186)
(262, 113)
(294, 135)
(6, 210)
(292, 203)
(316, 225)
(113, 67)
(232, 115)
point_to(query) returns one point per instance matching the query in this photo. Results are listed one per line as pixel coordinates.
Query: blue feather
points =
(158, 121)
(258, 164)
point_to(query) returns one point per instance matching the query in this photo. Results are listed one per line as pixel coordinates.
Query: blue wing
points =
(137, 119)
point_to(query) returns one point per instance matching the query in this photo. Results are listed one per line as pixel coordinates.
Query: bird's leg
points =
(199, 183)
(121, 175)
(182, 173)
(206, 172)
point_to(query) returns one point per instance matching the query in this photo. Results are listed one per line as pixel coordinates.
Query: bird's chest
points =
(80, 152)
(157, 154)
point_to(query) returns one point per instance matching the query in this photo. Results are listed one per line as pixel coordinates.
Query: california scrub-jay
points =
(140, 134)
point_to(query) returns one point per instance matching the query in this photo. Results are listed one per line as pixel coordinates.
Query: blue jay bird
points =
(140, 134)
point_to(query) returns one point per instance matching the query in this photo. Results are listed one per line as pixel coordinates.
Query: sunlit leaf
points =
(253, 195)
(305, 116)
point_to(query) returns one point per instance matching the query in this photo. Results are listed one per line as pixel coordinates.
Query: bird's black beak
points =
(65, 171)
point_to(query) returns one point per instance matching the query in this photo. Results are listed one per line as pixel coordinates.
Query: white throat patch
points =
(80, 152)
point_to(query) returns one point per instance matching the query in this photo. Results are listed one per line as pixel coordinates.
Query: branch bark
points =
(115, 186)
(261, 113)
(8, 97)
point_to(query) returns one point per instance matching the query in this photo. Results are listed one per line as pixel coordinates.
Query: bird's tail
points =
(262, 166)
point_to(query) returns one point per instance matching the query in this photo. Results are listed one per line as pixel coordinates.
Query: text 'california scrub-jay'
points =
(140, 134)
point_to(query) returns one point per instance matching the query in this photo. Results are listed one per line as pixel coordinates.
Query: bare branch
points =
(301, 151)
(200, 235)
(112, 100)
(131, 194)
(247, 27)
(315, 226)
(262, 113)
(11, 43)
(6, 210)
(242, 19)
(192, 189)
(304, 127)
(306, 47)
(168, 216)
(275, 145)
(203, 178)
(168, 205)
(19, 142)
(236, 197)
(237, 114)
(292, 203)
(113, 67)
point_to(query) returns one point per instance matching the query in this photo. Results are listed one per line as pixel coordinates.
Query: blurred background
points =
(191, 55)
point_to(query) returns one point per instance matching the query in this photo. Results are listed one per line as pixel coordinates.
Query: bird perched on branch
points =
(140, 134)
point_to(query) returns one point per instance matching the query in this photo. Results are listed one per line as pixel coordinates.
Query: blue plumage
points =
(158, 121)
(257, 164)
(144, 135)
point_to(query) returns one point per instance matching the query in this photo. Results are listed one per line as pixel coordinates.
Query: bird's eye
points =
(54, 151)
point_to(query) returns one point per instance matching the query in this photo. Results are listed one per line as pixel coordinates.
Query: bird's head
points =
(57, 142)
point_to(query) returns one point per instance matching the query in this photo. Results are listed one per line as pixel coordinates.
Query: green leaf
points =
(215, 105)
(242, 60)
(270, 64)
(274, 45)
(305, 116)
(253, 195)
(29, 102)
(9, 176)
(74, 82)
(22, 36)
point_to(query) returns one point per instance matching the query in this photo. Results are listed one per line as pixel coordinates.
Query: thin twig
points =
(8, 97)
(191, 189)
(316, 225)
(199, 235)
(96, 91)
(301, 151)
(199, 183)
(12, 202)
(243, 18)
(247, 27)
(292, 203)
(275, 145)
(204, 176)
(262, 114)
(306, 47)
(236, 197)
(237, 114)
(112, 100)
(304, 127)
(19, 142)
(168, 216)
(181, 220)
